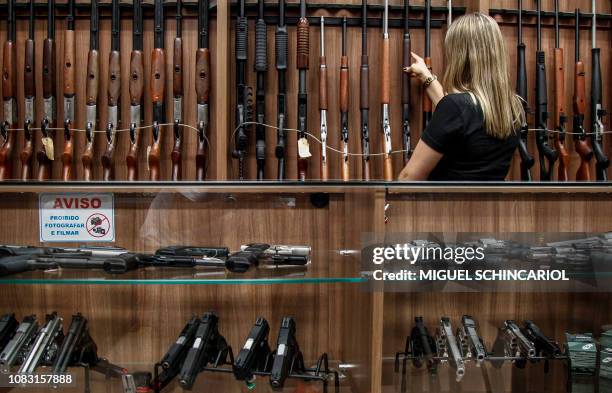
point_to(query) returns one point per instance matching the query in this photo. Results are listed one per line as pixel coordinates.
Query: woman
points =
(473, 131)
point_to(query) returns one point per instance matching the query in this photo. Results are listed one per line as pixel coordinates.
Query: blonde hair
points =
(476, 62)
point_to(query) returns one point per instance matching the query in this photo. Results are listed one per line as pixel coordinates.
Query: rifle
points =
(303, 46)
(16, 349)
(9, 94)
(202, 87)
(79, 349)
(447, 346)
(177, 89)
(559, 137)
(158, 81)
(547, 154)
(527, 160)
(344, 105)
(45, 345)
(254, 354)
(406, 86)
(136, 90)
(323, 104)
(46, 155)
(471, 343)
(29, 92)
(209, 346)
(288, 356)
(261, 67)
(597, 112)
(69, 93)
(114, 92)
(173, 359)
(386, 95)
(580, 144)
(282, 55)
(427, 104)
(364, 89)
(243, 92)
(91, 92)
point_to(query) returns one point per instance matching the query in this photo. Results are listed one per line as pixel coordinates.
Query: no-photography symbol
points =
(97, 225)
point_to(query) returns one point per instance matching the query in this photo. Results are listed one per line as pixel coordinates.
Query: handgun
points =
(73, 345)
(254, 254)
(253, 355)
(172, 361)
(8, 327)
(194, 251)
(471, 343)
(288, 355)
(45, 346)
(16, 347)
(448, 347)
(207, 346)
(423, 345)
(543, 345)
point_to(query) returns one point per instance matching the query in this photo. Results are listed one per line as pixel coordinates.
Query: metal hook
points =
(177, 129)
(89, 132)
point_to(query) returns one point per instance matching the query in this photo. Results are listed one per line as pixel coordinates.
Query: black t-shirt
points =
(457, 131)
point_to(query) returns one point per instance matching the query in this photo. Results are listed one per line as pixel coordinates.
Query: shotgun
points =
(202, 86)
(527, 160)
(344, 105)
(69, 93)
(158, 82)
(91, 92)
(177, 90)
(303, 46)
(406, 49)
(580, 143)
(323, 104)
(364, 96)
(427, 104)
(597, 112)
(9, 94)
(29, 92)
(136, 90)
(386, 95)
(114, 92)
(243, 92)
(282, 54)
(46, 154)
(546, 153)
(559, 138)
(261, 67)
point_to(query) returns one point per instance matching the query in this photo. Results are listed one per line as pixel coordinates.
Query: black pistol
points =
(254, 354)
(288, 356)
(14, 352)
(172, 361)
(8, 327)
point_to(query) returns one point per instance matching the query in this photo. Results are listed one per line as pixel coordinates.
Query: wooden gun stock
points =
(9, 93)
(579, 105)
(93, 72)
(177, 74)
(586, 154)
(202, 75)
(69, 62)
(29, 87)
(26, 159)
(87, 160)
(136, 87)
(6, 162)
(49, 68)
(114, 80)
(67, 157)
(158, 75)
(153, 159)
(131, 159)
(108, 164)
(201, 160)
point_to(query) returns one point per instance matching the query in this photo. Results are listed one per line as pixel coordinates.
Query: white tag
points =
(282, 348)
(48, 145)
(180, 340)
(77, 217)
(197, 343)
(248, 344)
(148, 153)
(303, 148)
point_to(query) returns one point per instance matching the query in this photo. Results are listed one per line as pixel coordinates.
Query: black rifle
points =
(9, 95)
(255, 353)
(209, 346)
(244, 94)
(172, 361)
(364, 96)
(202, 87)
(114, 94)
(527, 160)
(8, 327)
(282, 55)
(406, 86)
(177, 90)
(471, 343)
(46, 154)
(91, 92)
(302, 49)
(597, 112)
(543, 345)
(29, 93)
(17, 348)
(288, 357)
(79, 349)
(45, 346)
(158, 89)
(261, 67)
(136, 91)
(547, 155)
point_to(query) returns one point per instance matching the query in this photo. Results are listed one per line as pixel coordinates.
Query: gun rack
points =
(566, 19)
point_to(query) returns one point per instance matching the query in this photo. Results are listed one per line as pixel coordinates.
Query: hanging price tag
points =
(48, 145)
(148, 152)
(304, 148)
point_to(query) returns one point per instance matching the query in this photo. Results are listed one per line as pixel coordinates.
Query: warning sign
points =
(77, 217)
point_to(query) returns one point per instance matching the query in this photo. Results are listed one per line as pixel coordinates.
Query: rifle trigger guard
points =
(155, 131)
(67, 129)
(201, 131)
(26, 130)
(133, 132)
(109, 132)
(43, 127)
(177, 130)
(89, 132)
